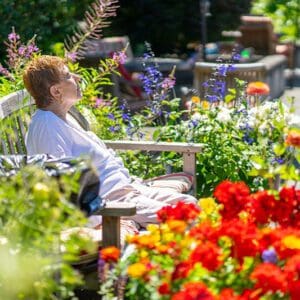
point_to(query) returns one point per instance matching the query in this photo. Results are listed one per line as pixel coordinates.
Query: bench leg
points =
(111, 231)
(189, 166)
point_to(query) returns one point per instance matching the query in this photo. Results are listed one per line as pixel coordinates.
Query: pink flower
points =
(168, 83)
(13, 37)
(72, 56)
(120, 57)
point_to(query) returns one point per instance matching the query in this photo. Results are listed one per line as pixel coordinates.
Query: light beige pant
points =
(148, 200)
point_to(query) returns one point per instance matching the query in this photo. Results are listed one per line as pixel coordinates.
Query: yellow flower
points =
(136, 270)
(195, 100)
(208, 205)
(205, 104)
(291, 242)
(144, 253)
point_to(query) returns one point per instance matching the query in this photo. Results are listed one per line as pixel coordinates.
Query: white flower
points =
(293, 120)
(224, 115)
(196, 116)
(263, 127)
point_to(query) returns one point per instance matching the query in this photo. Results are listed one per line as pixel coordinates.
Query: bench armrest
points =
(188, 151)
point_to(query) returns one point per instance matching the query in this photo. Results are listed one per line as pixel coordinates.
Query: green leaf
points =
(229, 98)
(278, 149)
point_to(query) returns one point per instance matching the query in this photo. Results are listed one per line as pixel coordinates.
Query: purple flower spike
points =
(4, 71)
(22, 50)
(13, 37)
(269, 256)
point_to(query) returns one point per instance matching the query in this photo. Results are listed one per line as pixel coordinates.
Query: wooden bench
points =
(13, 127)
(269, 69)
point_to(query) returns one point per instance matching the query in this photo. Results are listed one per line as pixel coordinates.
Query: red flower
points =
(193, 291)
(283, 210)
(292, 268)
(261, 206)
(245, 238)
(204, 232)
(233, 195)
(164, 289)
(182, 270)
(228, 294)
(257, 88)
(293, 138)
(294, 288)
(208, 254)
(181, 211)
(110, 254)
(269, 278)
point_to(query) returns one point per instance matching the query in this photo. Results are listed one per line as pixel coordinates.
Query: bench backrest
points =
(248, 72)
(16, 110)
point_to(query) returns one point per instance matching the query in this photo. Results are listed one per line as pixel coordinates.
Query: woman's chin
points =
(79, 95)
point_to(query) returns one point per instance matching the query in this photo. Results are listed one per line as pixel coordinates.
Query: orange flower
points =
(110, 254)
(257, 88)
(195, 100)
(177, 226)
(293, 138)
(146, 241)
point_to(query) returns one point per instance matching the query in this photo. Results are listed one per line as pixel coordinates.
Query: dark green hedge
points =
(167, 24)
(51, 20)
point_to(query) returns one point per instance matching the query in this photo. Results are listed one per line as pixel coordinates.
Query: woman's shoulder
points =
(45, 117)
(46, 121)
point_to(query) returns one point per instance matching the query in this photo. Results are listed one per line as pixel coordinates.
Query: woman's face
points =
(69, 86)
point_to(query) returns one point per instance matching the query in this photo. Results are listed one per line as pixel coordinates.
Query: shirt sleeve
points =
(54, 143)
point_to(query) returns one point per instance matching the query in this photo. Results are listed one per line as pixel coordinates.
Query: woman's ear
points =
(55, 92)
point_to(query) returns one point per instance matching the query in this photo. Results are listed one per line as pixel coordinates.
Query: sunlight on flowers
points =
(291, 242)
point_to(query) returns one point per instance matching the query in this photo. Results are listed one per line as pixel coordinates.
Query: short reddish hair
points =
(39, 75)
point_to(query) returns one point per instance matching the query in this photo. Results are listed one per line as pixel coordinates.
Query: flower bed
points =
(242, 245)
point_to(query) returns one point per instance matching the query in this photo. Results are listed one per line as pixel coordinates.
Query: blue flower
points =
(222, 70)
(111, 116)
(269, 256)
(114, 128)
(126, 117)
(212, 98)
(236, 57)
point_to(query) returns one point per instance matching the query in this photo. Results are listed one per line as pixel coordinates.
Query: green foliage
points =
(284, 14)
(51, 20)
(35, 209)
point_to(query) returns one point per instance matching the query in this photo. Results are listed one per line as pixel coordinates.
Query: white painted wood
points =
(155, 146)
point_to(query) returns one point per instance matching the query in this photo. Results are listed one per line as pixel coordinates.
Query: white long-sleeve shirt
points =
(50, 134)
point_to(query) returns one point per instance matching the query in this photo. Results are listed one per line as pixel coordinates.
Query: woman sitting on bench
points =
(55, 90)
